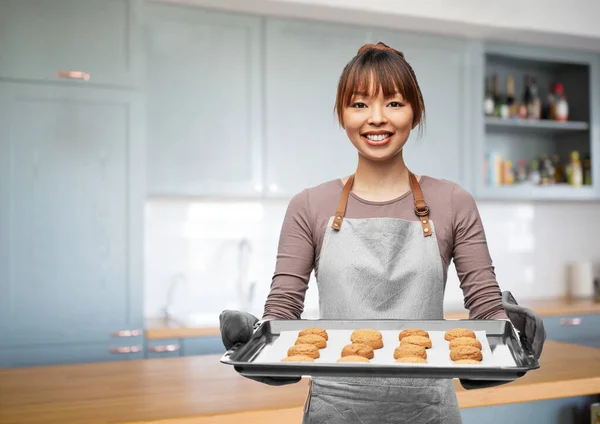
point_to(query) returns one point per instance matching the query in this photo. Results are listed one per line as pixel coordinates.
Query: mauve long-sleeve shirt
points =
(458, 228)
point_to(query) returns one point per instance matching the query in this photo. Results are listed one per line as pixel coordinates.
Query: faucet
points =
(245, 296)
(175, 282)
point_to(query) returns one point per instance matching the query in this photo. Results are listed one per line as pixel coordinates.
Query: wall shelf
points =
(527, 192)
(501, 143)
(542, 124)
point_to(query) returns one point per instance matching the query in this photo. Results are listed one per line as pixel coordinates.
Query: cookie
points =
(305, 350)
(467, 361)
(466, 352)
(358, 349)
(318, 331)
(298, 358)
(464, 341)
(353, 358)
(412, 332)
(455, 333)
(417, 340)
(410, 350)
(369, 337)
(313, 339)
(412, 359)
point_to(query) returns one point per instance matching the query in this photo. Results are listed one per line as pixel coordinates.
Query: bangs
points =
(368, 80)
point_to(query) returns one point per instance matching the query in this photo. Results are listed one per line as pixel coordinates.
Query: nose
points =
(377, 116)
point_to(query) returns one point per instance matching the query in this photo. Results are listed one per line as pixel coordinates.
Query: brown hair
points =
(389, 69)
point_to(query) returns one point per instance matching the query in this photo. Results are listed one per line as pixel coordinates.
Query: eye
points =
(396, 104)
(359, 105)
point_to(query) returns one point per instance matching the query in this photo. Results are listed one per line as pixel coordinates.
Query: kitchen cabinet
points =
(68, 41)
(204, 102)
(303, 63)
(71, 209)
(522, 139)
(581, 329)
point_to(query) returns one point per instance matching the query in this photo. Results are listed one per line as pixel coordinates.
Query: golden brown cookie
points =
(369, 337)
(467, 361)
(417, 340)
(464, 341)
(313, 339)
(318, 331)
(410, 350)
(466, 352)
(305, 350)
(412, 332)
(353, 358)
(412, 359)
(298, 358)
(358, 349)
(455, 333)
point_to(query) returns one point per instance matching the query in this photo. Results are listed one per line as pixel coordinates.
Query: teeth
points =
(377, 137)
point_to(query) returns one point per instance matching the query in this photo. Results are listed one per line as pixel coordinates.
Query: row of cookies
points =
(464, 346)
(307, 345)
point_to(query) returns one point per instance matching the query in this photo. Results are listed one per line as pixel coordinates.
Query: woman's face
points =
(378, 127)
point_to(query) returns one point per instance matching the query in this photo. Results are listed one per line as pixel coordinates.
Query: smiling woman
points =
(380, 242)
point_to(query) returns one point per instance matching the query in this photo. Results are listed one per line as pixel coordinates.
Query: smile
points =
(377, 139)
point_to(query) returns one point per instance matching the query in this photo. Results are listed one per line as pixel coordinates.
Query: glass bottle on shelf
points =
(522, 171)
(488, 101)
(561, 106)
(574, 170)
(534, 108)
(510, 97)
(524, 107)
(546, 171)
(559, 175)
(534, 176)
(587, 170)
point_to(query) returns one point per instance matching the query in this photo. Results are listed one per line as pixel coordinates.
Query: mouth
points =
(377, 138)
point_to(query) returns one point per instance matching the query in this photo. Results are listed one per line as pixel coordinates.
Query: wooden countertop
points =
(159, 328)
(200, 389)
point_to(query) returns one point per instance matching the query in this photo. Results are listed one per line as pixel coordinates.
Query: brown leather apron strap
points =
(421, 209)
(341, 209)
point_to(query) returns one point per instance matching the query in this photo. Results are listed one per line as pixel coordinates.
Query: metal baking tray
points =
(505, 357)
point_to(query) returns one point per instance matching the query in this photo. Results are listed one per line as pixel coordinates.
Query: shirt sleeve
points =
(482, 295)
(295, 262)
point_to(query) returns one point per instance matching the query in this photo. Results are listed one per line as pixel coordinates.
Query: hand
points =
(529, 324)
(531, 330)
(237, 327)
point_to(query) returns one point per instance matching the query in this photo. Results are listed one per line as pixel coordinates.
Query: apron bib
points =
(381, 268)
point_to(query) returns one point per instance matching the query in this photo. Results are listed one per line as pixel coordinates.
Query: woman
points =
(380, 242)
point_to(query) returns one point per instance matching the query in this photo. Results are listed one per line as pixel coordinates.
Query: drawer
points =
(203, 346)
(581, 329)
(163, 348)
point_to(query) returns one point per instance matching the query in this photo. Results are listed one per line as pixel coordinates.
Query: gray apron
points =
(381, 268)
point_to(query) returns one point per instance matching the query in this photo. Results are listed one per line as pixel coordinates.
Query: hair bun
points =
(379, 46)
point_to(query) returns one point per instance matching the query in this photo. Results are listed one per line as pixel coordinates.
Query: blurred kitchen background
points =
(149, 149)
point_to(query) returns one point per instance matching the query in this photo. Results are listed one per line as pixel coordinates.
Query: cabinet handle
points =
(73, 75)
(164, 348)
(570, 321)
(127, 333)
(126, 349)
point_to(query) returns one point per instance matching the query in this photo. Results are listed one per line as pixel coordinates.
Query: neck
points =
(381, 181)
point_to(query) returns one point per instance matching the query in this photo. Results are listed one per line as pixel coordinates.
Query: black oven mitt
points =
(532, 335)
(238, 327)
